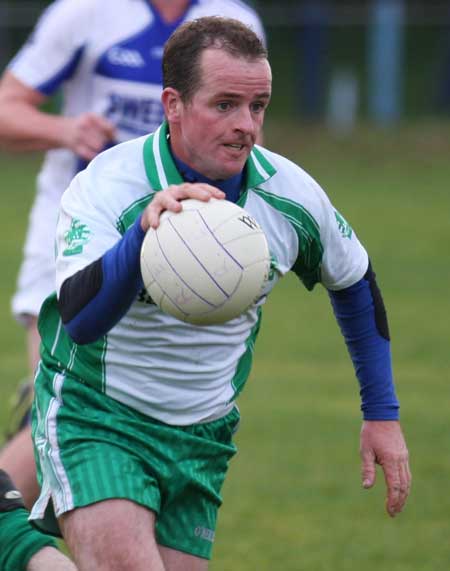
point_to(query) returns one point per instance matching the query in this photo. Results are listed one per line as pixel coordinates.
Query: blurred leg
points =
(49, 559)
(17, 458)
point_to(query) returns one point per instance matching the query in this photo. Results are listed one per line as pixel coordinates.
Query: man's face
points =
(215, 131)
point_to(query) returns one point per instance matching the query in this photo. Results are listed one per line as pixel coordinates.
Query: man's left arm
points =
(361, 315)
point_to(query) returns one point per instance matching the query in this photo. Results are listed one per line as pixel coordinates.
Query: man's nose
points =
(245, 121)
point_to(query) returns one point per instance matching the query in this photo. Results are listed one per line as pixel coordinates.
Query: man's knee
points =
(112, 535)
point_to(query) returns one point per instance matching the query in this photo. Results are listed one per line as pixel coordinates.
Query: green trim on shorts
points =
(91, 448)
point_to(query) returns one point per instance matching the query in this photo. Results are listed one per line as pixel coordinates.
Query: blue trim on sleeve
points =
(52, 84)
(370, 352)
(121, 283)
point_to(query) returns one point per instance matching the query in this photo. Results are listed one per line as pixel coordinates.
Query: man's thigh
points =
(98, 539)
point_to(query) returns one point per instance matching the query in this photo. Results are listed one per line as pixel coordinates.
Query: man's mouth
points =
(236, 146)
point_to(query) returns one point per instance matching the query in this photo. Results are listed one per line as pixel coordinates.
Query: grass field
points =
(293, 501)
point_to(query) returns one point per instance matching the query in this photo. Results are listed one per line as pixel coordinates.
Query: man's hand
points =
(87, 134)
(171, 197)
(382, 443)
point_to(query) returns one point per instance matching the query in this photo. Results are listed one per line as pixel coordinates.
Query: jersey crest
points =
(344, 227)
(76, 237)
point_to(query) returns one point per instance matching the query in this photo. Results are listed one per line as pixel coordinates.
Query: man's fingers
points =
(171, 199)
(393, 496)
(159, 204)
(106, 127)
(198, 190)
(368, 470)
(398, 482)
(405, 484)
(97, 123)
(90, 135)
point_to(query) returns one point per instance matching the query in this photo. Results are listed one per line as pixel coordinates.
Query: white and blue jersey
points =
(105, 57)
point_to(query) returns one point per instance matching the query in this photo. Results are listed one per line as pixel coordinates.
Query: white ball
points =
(206, 264)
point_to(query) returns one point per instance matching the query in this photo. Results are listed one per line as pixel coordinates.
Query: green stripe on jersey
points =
(59, 351)
(170, 169)
(129, 215)
(245, 362)
(309, 259)
(150, 163)
(259, 169)
(159, 164)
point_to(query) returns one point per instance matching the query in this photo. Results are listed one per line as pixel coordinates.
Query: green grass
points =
(293, 501)
(17, 175)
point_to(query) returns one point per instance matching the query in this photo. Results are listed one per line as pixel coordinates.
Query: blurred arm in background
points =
(24, 127)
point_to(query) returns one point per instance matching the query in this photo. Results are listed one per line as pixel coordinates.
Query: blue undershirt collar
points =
(231, 186)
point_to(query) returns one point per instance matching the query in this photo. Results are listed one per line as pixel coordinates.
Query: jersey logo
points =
(125, 57)
(76, 237)
(344, 227)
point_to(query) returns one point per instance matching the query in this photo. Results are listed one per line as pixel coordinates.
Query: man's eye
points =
(223, 106)
(258, 107)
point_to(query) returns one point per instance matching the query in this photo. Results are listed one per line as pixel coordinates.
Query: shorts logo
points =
(204, 533)
(76, 237)
(344, 227)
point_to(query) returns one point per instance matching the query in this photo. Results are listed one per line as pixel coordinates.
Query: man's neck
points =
(231, 187)
(170, 10)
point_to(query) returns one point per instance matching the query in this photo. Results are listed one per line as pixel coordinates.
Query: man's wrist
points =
(381, 412)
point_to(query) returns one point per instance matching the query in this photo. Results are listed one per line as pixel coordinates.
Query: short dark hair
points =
(182, 52)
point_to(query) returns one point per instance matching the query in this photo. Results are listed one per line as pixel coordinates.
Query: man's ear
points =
(172, 104)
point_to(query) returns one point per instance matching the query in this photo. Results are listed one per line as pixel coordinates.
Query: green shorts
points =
(90, 448)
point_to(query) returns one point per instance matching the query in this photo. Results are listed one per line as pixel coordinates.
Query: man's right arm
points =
(96, 297)
(24, 127)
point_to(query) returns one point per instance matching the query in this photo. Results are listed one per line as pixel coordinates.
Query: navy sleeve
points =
(360, 312)
(93, 300)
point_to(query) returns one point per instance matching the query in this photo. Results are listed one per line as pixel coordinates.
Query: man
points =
(135, 410)
(106, 57)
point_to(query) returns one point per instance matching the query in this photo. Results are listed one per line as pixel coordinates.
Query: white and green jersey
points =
(167, 369)
(105, 57)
